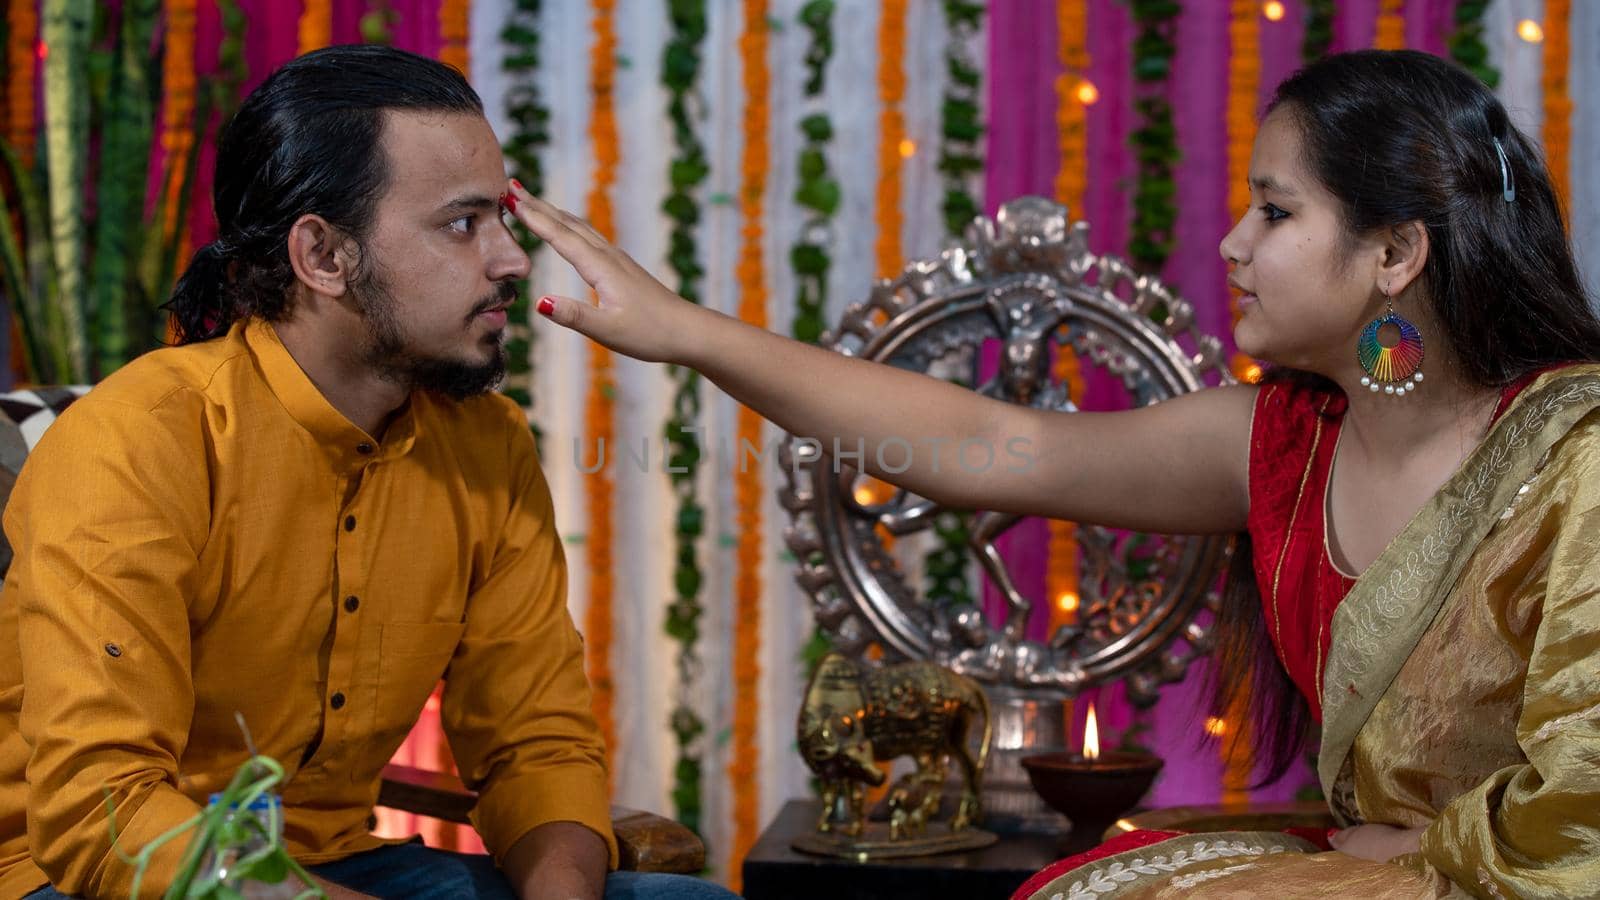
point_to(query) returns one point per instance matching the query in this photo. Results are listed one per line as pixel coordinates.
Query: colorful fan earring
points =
(1391, 369)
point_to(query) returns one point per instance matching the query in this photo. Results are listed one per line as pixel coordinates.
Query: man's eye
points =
(1273, 213)
(462, 225)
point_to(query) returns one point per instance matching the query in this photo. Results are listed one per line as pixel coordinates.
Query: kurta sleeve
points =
(516, 700)
(107, 519)
(1533, 830)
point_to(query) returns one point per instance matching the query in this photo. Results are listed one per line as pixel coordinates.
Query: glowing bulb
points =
(1087, 93)
(1091, 736)
(1216, 727)
(1273, 10)
(908, 148)
(1067, 602)
(1530, 31)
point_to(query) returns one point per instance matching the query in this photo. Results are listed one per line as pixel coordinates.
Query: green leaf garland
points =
(945, 569)
(530, 132)
(1155, 140)
(1318, 36)
(1466, 43)
(680, 71)
(819, 195)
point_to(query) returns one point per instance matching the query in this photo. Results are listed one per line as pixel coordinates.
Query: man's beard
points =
(390, 354)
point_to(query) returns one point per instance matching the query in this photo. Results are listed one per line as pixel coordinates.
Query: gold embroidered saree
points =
(1462, 693)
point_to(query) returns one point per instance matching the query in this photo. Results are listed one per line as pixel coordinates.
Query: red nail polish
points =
(517, 184)
(510, 201)
(546, 306)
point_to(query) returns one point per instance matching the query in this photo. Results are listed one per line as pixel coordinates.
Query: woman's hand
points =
(1379, 843)
(636, 316)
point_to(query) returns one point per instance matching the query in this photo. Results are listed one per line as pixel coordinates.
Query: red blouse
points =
(1291, 455)
(1292, 438)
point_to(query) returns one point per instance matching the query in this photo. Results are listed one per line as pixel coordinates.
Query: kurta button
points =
(337, 700)
(349, 523)
(363, 448)
(113, 651)
(351, 603)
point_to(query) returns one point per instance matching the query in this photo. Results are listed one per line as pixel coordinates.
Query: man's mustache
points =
(504, 295)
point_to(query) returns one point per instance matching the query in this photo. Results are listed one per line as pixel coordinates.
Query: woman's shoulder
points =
(1291, 412)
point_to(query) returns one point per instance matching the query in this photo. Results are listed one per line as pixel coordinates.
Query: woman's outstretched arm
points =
(1179, 466)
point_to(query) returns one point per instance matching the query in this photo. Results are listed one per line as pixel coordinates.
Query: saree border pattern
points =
(1395, 602)
(1143, 867)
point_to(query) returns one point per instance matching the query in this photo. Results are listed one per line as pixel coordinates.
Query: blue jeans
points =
(415, 872)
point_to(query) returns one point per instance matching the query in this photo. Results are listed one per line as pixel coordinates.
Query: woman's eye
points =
(462, 225)
(1273, 213)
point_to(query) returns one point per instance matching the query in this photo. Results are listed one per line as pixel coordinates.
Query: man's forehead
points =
(435, 157)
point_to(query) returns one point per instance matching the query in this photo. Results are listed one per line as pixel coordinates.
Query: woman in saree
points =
(1417, 575)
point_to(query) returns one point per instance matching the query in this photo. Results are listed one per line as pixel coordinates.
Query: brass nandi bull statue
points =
(856, 716)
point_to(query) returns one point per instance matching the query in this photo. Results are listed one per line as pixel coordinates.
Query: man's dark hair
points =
(307, 140)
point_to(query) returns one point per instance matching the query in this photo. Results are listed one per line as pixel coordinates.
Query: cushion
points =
(24, 415)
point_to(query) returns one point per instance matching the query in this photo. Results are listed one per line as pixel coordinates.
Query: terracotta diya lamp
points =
(1092, 789)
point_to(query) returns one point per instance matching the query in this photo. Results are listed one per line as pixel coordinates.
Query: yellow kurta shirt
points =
(205, 533)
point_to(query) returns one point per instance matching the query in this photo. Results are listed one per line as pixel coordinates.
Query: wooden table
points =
(773, 871)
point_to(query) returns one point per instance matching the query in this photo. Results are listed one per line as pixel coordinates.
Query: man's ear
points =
(1405, 254)
(322, 256)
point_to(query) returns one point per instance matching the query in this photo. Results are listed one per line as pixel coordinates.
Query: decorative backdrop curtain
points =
(1017, 53)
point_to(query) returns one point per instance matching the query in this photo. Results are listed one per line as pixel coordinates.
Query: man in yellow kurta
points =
(308, 514)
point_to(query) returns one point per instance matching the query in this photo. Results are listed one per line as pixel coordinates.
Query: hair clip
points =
(1508, 188)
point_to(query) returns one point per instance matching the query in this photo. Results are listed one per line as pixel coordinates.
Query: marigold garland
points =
(1557, 101)
(892, 134)
(749, 492)
(177, 112)
(1071, 185)
(1072, 117)
(1391, 31)
(1244, 81)
(22, 35)
(454, 16)
(316, 25)
(748, 488)
(599, 415)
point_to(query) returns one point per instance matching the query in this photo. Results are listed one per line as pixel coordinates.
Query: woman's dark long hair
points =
(1398, 137)
(307, 140)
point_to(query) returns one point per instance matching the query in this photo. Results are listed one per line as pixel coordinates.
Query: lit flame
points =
(1067, 602)
(1530, 31)
(1252, 374)
(1216, 727)
(908, 148)
(1091, 736)
(1273, 10)
(866, 496)
(1087, 93)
